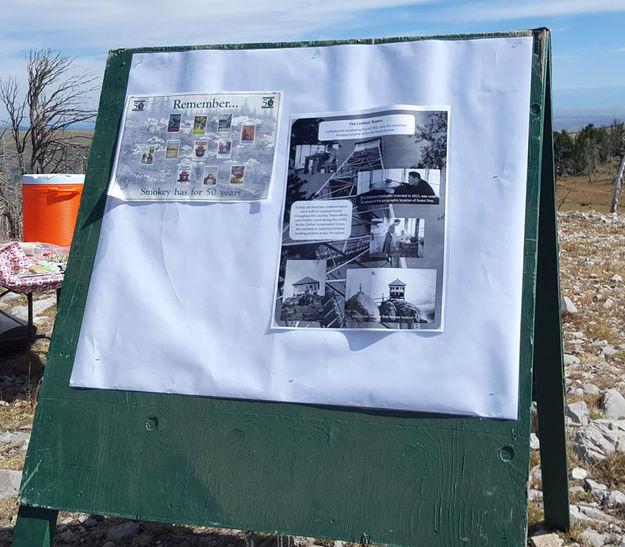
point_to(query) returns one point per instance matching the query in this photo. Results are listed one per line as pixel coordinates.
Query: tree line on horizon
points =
(591, 151)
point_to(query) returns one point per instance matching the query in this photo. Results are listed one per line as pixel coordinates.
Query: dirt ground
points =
(581, 194)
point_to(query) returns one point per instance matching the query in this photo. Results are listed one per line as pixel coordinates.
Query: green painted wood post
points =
(548, 365)
(35, 527)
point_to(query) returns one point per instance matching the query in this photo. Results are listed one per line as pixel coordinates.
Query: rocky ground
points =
(592, 273)
(592, 263)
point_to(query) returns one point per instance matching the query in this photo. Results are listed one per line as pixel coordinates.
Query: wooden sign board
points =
(360, 475)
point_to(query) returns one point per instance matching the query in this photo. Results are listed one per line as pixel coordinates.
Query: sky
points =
(588, 36)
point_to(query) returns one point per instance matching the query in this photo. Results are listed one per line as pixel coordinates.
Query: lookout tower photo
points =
(366, 195)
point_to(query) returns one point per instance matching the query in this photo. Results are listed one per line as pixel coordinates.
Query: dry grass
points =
(572, 457)
(601, 331)
(611, 471)
(11, 418)
(17, 300)
(14, 462)
(534, 458)
(49, 312)
(579, 194)
(574, 534)
(8, 511)
(535, 517)
(593, 402)
(583, 497)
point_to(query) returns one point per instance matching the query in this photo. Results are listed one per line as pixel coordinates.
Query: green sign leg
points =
(548, 366)
(34, 527)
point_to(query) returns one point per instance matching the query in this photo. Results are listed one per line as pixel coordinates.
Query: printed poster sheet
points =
(364, 221)
(182, 296)
(212, 147)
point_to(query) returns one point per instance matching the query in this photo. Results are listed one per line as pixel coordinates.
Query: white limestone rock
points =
(594, 538)
(39, 306)
(599, 491)
(577, 414)
(571, 360)
(567, 306)
(615, 498)
(534, 495)
(546, 540)
(122, 531)
(586, 513)
(590, 389)
(9, 482)
(534, 442)
(613, 404)
(599, 439)
(66, 536)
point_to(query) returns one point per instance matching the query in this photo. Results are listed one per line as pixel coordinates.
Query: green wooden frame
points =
(354, 474)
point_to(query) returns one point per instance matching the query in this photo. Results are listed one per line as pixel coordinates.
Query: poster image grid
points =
(190, 139)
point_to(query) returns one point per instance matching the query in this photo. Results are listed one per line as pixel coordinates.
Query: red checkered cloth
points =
(14, 274)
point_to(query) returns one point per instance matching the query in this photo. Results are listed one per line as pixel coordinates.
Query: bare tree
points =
(617, 186)
(9, 95)
(617, 139)
(10, 195)
(53, 102)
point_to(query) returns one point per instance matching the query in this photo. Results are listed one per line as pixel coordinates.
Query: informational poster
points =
(214, 147)
(363, 239)
(433, 268)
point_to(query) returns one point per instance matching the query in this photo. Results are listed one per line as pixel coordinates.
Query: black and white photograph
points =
(304, 291)
(405, 296)
(420, 186)
(395, 238)
(391, 164)
(315, 158)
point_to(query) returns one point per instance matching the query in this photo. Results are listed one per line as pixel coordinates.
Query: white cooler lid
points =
(53, 179)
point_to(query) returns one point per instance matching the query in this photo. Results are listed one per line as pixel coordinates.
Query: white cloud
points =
(87, 30)
(500, 11)
(119, 23)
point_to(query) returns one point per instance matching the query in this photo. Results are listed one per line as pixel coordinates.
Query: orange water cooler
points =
(50, 207)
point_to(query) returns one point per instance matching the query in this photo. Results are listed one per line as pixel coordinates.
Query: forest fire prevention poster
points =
(209, 147)
(364, 221)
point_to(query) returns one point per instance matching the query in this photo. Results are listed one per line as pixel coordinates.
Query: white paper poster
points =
(209, 147)
(183, 294)
(364, 221)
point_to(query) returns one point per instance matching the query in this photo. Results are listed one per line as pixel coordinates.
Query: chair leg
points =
(31, 326)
